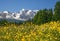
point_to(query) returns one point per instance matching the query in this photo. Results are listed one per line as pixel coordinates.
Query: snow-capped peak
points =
(5, 11)
(23, 9)
(24, 14)
(29, 11)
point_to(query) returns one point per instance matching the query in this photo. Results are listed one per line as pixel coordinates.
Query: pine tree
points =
(57, 11)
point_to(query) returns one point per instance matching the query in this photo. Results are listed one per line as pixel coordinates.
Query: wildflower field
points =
(30, 32)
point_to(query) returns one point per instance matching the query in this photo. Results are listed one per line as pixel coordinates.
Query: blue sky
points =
(16, 5)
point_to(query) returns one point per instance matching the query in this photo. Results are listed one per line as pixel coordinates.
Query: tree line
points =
(47, 15)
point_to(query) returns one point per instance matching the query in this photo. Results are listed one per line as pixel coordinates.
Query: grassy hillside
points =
(30, 32)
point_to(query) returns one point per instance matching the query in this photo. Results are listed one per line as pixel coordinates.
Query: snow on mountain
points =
(21, 15)
(5, 12)
(29, 11)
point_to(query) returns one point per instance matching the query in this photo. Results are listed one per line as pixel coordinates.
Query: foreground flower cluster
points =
(30, 32)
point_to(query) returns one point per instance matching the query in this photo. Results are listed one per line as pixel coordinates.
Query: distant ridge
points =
(22, 15)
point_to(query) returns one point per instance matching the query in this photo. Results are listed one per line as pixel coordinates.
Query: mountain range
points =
(22, 15)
